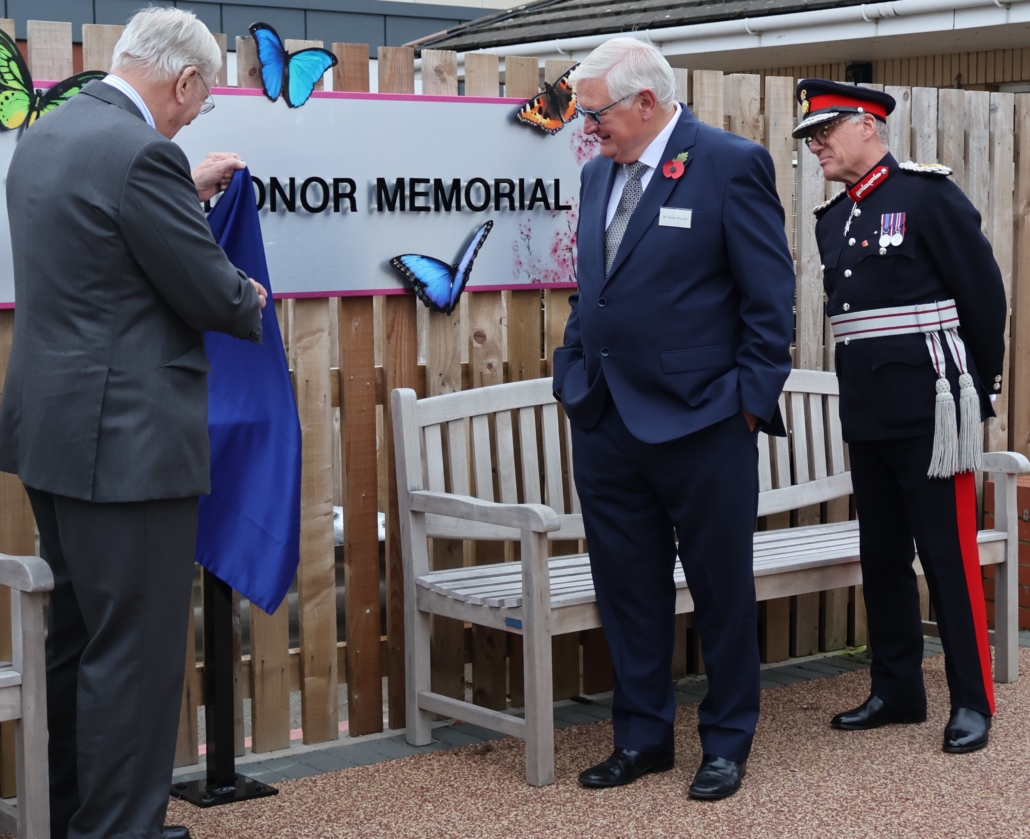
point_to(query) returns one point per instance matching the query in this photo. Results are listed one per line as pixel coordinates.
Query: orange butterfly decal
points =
(553, 108)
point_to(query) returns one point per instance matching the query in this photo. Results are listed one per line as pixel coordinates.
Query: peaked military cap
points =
(822, 101)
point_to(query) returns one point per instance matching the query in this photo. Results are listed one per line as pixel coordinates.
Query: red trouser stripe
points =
(965, 514)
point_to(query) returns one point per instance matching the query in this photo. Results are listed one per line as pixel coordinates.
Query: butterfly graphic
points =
(553, 108)
(20, 103)
(437, 284)
(293, 74)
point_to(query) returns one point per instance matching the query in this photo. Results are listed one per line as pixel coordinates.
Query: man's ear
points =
(182, 82)
(648, 103)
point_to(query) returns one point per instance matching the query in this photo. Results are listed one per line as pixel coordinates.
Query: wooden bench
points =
(491, 464)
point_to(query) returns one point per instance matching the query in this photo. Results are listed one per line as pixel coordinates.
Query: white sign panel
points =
(348, 181)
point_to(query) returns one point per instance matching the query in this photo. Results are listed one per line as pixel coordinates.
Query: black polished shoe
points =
(873, 713)
(175, 831)
(716, 778)
(624, 767)
(967, 731)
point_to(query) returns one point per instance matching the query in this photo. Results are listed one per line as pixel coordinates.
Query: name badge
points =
(674, 217)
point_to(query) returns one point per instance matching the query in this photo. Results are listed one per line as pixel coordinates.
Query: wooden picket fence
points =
(348, 353)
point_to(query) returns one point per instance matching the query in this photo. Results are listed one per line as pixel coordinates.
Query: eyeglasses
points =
(823, 132)
(209, 102)
(596, 115)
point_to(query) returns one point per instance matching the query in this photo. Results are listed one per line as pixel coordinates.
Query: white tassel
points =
(945, 433)
(970, 441)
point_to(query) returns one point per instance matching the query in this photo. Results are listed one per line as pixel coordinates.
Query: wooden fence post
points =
(1019, 380)
(50, 49)
(360, 519)
(400, 369)
(98, 42)
(487, 332)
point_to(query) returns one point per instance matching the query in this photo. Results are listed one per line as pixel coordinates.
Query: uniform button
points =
(604, 351)
(858, 212)
(602, 302)
(847, 341)
(851, 242)
(822, 267)
(997, 378)
(847, 273)
(847, 307)
(997, 386)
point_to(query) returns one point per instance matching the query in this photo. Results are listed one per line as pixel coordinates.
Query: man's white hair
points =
(881, 127)
(629, 66)
(160, 43)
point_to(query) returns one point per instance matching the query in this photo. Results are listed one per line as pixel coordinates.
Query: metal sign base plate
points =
(203, 793)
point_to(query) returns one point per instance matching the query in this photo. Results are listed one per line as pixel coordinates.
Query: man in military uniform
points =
(918, 310)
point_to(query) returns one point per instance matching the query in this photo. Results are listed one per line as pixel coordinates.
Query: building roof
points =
(553, 19)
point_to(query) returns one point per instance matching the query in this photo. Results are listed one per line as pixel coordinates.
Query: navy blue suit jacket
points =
(693, 324)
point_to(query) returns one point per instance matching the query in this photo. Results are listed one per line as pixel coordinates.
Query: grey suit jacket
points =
(116, 277)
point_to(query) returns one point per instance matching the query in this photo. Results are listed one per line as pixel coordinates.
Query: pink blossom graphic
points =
(584, 146)
(555, 262)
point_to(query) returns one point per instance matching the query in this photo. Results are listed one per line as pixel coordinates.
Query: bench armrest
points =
(1006, 463)
(534, 517)
(25, 573)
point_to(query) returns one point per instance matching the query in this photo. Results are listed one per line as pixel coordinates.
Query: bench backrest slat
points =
(435, 481)
(457, 456)
(764, 463)
(573, 493)
(553, 485)
(816, 435)
(781, 449)
(530, 456)
(482, 458)
(836, 437)
(506, 459)
(799, 436)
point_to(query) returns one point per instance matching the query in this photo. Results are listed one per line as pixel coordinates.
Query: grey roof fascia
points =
(368, 7)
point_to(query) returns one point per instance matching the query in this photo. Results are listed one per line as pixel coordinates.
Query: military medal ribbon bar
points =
(892, 229)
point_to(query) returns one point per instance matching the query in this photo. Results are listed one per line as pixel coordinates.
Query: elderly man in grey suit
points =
(104, 414)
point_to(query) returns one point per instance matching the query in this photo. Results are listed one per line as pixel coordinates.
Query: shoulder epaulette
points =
(925, 168)
(822, 208)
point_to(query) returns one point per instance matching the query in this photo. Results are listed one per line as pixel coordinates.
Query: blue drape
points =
(249, 528)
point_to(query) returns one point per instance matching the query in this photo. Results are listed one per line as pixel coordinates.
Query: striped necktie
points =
(631, 194)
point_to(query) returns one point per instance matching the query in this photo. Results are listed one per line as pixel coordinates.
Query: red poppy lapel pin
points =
(674, 168)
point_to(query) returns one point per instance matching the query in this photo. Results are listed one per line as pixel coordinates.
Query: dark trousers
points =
(635, 497)
(115, 652)
(897, 503)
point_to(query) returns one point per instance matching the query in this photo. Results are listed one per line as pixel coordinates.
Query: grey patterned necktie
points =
(627, 204)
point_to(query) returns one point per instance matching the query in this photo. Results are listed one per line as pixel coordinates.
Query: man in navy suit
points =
(676, 350)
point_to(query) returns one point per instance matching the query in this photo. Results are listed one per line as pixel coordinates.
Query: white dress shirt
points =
(130, 91)
(652, 156)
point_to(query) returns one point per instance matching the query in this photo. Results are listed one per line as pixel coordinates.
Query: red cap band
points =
(829, 101)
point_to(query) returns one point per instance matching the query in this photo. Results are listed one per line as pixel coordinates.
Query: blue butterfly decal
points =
(436, 283)
(292, 74)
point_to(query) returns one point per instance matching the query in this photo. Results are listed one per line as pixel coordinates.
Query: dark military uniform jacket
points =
(887, 384)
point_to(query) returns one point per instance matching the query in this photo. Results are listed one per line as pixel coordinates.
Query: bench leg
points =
(31, 730)
(419, 731)
(536, 629)
(1006, 583)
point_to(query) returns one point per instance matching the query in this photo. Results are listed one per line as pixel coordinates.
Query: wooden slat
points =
(506, 459)
(222, 78)
(1019, 378)
(400, 369)
(351, 73)
(899, 126)
(978, 149)
(709, 97)
(298, 44)
(396, 69)
(98, 42)
(530, 456)
(742, 102)
(482, 74)
(521, 77)
(50, 49)
(439, 73)
(779, 121)
(554, 68)
(316, 580)
(951, 110)
(432, 451)
(7, 25)
(924, 125)
(1000, 232)
(360, 517)
(554, 495)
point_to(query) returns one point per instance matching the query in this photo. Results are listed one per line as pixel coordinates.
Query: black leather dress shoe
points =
(967, 731)
(716, 778)
(624, 767)
(873, 713)
(175, 831)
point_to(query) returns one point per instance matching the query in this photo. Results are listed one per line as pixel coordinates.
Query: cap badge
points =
(805, 104)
